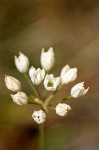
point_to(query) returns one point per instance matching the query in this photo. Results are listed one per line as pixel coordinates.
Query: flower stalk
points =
(51, 84)
(42, 104)
(31, 85)
(51, 96)
(41, 137)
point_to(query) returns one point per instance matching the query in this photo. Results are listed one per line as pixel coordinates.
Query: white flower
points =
(51, 83)
(22, 63)
(39, 116)
(47, 59)
(68, 74)
(78, 90)
(12, 83)
(62, 109)
(36, 75)
(20, 98)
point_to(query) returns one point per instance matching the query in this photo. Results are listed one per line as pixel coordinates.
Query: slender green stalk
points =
(53, 94)
(67, 98)
(61, 100)
(31, 100)
(51, 97)
(32, 103)
(32, 86)
(38, 92)
(41, 137)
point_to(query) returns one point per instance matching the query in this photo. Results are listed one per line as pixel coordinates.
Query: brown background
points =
(72, 28)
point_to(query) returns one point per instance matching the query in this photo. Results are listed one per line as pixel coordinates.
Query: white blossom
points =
(39, 116)
(12, 83)
(36, 75)
(47, 58)
(78, 90)
(22, 63)
(20, 98)
(62, 109)
(51, 83)
(68, 74)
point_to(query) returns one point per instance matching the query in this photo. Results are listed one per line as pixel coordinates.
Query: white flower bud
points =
(47, 59)
(12, 83)
(20, 98)
(62, 109)
(22, 63)
(39, 116)
(78, 90)
(51, 83)
(68, 74)
(36, 75)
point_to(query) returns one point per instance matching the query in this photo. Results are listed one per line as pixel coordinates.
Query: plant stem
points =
(41, 137)
(32, 86)
(38, 92)
(32, 103)
(67, 98)
(50, 97)
(61, 100)
(53, 94)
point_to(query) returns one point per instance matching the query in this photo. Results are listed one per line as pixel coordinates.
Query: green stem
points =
(32, 103)
(53, 94)
(39, 95)
(50, 97)
(67, 98)
(32, 86)
(61, 100)
(41, 137)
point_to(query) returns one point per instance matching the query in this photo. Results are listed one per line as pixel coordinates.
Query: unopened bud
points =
(12, 83)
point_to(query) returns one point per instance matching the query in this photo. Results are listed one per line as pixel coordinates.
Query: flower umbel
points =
(78, 90)
(47, 59)
(22, 63)
(36, 75)
(51, 83)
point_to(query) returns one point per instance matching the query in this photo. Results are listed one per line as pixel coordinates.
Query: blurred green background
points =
(72, 29)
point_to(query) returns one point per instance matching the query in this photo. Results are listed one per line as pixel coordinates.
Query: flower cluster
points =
(51, 83)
